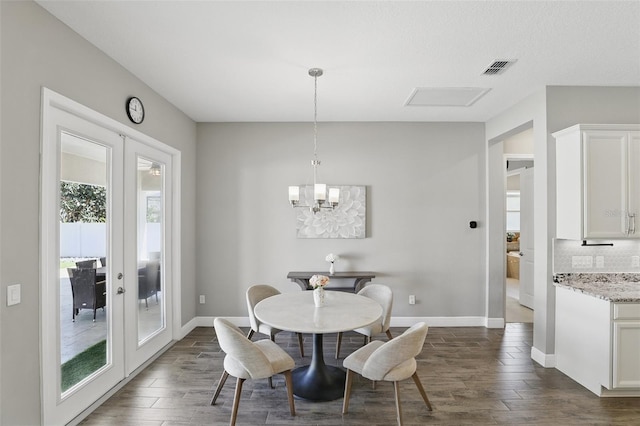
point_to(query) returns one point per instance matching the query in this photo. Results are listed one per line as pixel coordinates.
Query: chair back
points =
(384, 296)
(255, 294)
(87, 264)
(103, 261)
(244, 359)
(395, 352)
(83, 283)
(153, 275)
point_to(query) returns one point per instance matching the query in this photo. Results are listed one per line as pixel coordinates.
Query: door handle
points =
(121, 290)
(120, 275)
(521, 254)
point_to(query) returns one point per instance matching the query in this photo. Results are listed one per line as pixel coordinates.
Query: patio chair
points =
(148, 282)
(86, 292)
(87, 264)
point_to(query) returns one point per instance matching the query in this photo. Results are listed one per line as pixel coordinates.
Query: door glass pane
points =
(150, 212)
(84, 194)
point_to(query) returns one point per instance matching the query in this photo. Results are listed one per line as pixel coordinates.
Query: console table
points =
(360, 279)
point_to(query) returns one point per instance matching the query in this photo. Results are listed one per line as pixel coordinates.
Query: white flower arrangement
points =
(332, 257)
(318, 281)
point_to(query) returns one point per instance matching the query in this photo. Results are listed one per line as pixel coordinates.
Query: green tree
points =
(82, 203)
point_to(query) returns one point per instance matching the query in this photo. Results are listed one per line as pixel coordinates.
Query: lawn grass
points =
(83, 364)
(66, 263)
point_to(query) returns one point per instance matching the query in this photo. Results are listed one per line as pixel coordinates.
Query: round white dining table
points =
(296, 312)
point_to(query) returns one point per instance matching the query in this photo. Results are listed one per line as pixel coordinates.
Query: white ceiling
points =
(222, 61)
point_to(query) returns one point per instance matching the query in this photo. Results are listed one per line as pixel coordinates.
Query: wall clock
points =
(135, 110)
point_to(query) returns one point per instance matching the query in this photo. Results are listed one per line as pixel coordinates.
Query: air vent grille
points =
(498, 66)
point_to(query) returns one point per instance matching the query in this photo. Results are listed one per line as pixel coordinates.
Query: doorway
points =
(518, 230)
(519, 237)
(106, 255)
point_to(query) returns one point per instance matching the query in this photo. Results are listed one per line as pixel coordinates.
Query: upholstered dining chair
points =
(384, 296)
(250, 360)
(255, 294)
(391, 361)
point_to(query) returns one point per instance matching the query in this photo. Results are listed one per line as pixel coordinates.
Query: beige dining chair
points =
(245, 359)
(391, 361)
(384, 296)
(255, 294)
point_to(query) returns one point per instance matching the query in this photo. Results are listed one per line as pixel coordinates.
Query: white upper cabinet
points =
(598, 182)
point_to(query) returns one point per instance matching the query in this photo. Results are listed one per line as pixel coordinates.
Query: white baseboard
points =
(395, 322)
(494, 322)
(439, 321)
(545, 360)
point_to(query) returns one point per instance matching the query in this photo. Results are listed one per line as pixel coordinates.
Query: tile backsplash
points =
(570, 256)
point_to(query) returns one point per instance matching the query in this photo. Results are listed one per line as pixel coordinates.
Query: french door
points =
(106, 292)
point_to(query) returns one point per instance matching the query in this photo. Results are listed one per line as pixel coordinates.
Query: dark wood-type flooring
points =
(472, 375)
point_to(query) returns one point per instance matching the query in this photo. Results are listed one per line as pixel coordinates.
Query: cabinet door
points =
(626, 354)
(634, 185)
(605, 184)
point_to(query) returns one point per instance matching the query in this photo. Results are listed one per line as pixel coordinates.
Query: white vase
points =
(318, 297)
(331, 269)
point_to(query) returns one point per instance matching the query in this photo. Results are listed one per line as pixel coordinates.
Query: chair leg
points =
(396, 386)
(300, 345)
(416, 379)
(223, 379)
(236, 401)
(389, 334)
(251, 332)
(271, 382)
(289, 382)
(347, 391)
(338, 343)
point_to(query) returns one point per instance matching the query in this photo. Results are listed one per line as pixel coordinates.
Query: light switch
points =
(13, 294)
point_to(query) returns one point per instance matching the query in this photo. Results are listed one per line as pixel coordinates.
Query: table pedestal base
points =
(318, 381)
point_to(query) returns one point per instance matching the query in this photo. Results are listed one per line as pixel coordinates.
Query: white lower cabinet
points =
(598, 343)
(626, 345)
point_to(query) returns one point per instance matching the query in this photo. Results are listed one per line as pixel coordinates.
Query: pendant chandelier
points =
(320, 200)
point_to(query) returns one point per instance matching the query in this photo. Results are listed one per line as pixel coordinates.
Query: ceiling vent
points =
(445, 96)
(498, 66)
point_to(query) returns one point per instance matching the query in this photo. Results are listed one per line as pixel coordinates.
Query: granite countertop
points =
(614, 287)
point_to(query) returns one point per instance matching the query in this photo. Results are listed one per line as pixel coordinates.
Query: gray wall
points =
(38, 50)
(550, 110)
(425, 182)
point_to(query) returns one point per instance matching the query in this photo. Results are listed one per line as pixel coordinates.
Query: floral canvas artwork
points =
(347, 220)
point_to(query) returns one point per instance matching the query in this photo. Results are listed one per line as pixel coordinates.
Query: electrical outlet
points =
(635, 261)
(202, 299)
(412, 299)
(599, 261)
